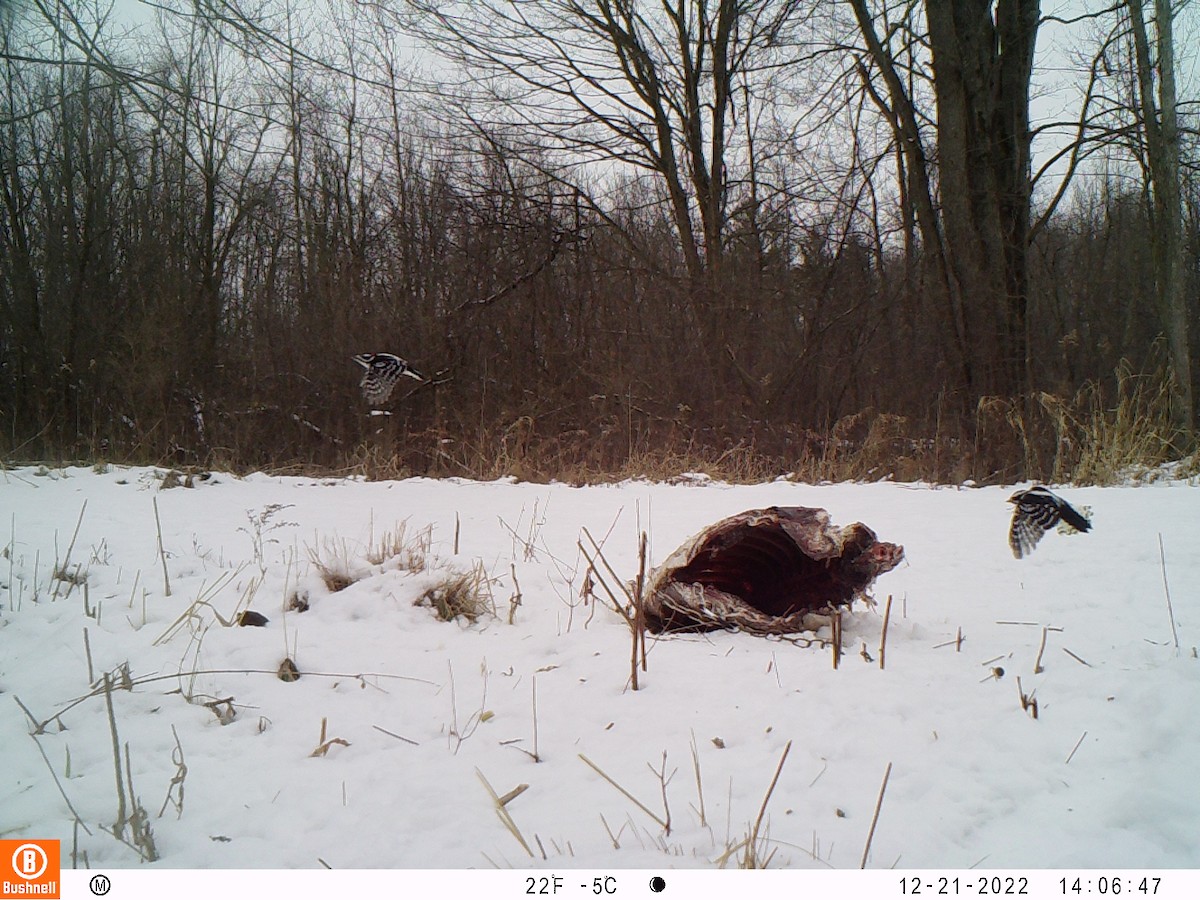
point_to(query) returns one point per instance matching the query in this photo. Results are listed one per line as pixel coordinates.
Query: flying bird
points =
(1036, 511)
(383, 371)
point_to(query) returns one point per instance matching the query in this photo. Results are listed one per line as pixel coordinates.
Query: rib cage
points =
(764, 571)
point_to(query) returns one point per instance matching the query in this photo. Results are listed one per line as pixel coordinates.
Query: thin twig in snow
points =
(875, 818)
(1077, 658)
(1162, 557)
(1076, 747)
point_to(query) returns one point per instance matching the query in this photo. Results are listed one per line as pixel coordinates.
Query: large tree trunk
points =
(982, 69)
(1161, 134)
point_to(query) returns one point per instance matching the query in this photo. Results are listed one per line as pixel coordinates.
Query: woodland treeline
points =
(617, 237)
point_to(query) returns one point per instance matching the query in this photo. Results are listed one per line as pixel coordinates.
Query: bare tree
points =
(647, 85)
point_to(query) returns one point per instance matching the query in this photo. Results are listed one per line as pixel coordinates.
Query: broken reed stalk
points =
(162, 555)
(619, 607)
(515, 600)
(119, 826)
(887, 614)
(1162, 558)
(513, 794)
(141, 835)
(1028, 701)
(1037, 663)
(323, 745)
(503, 813)
(634, 800)
(875, 818)
(87, 649)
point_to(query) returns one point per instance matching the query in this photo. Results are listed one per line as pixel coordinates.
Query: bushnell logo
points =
(29, 869)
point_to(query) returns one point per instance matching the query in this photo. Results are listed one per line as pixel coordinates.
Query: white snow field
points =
(383, 753)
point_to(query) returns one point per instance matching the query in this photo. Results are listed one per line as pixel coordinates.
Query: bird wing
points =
(1073, 517)
(1024, 533)
(1033, 516)
(1036, 512)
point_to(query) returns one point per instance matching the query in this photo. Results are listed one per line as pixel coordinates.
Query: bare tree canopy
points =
(759, 236)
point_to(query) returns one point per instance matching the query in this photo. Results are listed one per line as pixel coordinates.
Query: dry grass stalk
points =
(333, 566)
(1037, 663)
(204, 598)
(536, 757)
(699, 783)
(615, 838)
(1078, 659)
(87, 649)
(835, 621)
(750, 859)
(162, 553)
(411, 554)
(61, 574)
(398, 737)
(632, 609)
(467, 594)
(1162, 558)
(663, 780)
(142, 837)
(514, 602)
(119, 825)
(887, 614)
(1028, 701)
(1071, 755)
(628, 795)
(875, 818)
(625, 610)
(175, 788)
(79, 823)
(637, 622)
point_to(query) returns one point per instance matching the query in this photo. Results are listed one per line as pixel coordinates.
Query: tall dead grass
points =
(1106, 432)
(1103, 434)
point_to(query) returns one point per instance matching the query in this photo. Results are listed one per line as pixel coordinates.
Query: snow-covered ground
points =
(383, 753)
